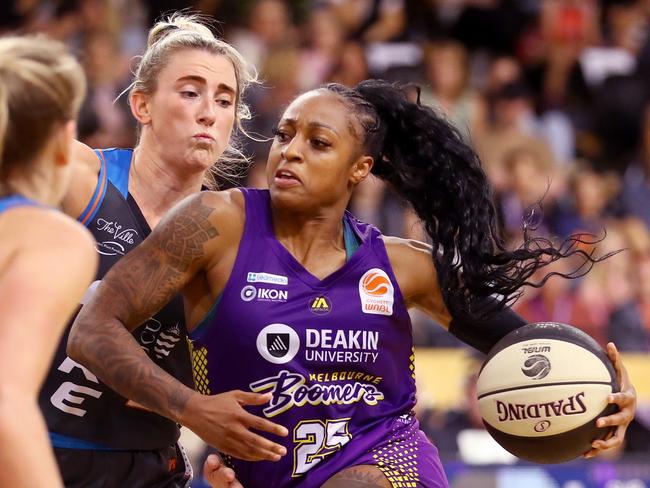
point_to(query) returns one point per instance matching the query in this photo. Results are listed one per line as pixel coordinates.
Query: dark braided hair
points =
(427, 162)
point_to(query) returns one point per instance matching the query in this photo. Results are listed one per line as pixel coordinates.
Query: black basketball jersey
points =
(81, 412)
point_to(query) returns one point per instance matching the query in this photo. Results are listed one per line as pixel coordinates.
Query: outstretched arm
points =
(416, 275)
(186, 242)
(418, 281)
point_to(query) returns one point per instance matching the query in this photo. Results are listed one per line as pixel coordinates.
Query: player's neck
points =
(38, 186)
(309, 235)
(157, 187)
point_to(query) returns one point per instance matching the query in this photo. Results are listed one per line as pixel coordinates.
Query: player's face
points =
(314, 158)
(192, 111)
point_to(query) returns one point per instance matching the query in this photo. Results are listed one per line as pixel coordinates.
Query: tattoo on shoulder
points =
(183, 242)
(153, 273)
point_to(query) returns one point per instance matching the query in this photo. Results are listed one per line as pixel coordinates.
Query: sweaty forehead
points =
(322, 108)
(215, 69)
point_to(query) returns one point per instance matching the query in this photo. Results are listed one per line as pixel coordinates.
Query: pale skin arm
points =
(417, 278)
(41, 287)
(188, 241)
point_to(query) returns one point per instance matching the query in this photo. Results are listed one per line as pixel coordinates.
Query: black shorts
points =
(85, 468)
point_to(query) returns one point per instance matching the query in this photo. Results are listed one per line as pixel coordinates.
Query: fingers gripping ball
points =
(541, 390)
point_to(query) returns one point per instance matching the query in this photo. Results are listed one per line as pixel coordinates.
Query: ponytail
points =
(427, 162)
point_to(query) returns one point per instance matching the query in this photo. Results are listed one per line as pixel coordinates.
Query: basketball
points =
(541, 390)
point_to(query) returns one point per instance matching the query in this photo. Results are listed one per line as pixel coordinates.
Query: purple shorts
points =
(399, 449)
(408, 458)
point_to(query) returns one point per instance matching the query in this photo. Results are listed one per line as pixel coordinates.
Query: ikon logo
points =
(376, 292)
(250, 292)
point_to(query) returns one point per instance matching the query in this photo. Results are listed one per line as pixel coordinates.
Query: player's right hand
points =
(222, 422)
(218, 475)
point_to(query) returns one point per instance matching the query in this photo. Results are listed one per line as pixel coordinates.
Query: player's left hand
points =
(218, 475)
(626, 401)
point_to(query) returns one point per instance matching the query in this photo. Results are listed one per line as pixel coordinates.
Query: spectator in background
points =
(72, 21)
(604, 302)
(529, 174)
(108, 76)
(559, 301)
(429, 19)
(549, 51)
(269, 28)
(371, 20)
(635, 190)
(324, 38)
(511, 110)
(494, 25)
(566, 28)
(514, 105)
(588, 201)
(17, 14)
(503, 70)
(352, 65)
(271, 43)
(280, 74)
(615, 76)
(621, 291)
(642, 267)
(447, 71)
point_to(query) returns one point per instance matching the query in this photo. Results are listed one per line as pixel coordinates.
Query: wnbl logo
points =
(536, 367)
(376, 292)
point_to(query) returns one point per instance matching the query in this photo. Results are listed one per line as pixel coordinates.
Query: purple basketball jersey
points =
(335, 353)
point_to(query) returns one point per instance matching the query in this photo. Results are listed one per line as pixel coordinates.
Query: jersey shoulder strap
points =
(114, 169)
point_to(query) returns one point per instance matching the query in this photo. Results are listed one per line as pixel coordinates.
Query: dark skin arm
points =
(417, 277)
(184, 246)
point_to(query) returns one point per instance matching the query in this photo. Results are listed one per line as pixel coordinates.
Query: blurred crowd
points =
(554, 95)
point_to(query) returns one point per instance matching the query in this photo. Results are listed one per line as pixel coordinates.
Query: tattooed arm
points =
(185, 243)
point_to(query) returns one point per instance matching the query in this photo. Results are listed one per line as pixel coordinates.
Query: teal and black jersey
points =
(81, 412)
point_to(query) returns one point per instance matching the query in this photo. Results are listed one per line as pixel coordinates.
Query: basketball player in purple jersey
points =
(289, 294)
(186, 97)
(46, 259)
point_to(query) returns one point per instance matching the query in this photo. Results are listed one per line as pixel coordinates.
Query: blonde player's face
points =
(314, 158)
(192, 111)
